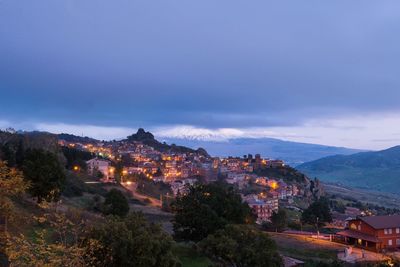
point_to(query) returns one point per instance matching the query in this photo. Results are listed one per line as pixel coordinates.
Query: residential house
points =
(374, 232)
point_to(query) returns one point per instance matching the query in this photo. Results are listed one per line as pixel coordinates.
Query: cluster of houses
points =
(266, 203)
(181, 170)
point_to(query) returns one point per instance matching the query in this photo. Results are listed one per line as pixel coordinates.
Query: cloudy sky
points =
(325, 72)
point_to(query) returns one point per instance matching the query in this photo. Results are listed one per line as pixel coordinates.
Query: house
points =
(100, 165)
(261, 207)
(373, 232)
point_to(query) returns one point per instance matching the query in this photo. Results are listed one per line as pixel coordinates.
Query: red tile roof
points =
(382, 222)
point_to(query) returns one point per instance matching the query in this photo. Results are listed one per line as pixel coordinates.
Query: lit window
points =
(390, 231)
(397, 230)
(390, 242)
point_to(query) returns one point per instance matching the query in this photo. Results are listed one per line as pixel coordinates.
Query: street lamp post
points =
(318, 227)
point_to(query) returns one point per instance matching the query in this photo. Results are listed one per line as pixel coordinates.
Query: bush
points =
(241, 245)
(132, 241)
(116, 203)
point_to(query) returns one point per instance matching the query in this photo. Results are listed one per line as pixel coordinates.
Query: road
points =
(132, 187)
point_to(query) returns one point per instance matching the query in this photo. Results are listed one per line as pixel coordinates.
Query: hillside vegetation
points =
(370, 170)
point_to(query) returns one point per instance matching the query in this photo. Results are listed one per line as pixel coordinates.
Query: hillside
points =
(293, 153)
(147, 138)
(370, 170)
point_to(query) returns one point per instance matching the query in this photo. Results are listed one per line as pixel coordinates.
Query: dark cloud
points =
(206, 63)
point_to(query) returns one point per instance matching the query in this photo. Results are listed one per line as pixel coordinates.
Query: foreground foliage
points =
(132, 241)
(45, 173)
(58, 242)
(241, 246)
(116, 203)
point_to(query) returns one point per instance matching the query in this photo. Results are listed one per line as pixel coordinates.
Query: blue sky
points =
(311, 71)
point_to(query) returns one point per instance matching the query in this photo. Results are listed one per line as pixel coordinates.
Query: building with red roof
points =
(374, 232)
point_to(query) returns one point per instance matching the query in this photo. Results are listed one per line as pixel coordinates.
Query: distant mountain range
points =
(378, 170)
(291, 152)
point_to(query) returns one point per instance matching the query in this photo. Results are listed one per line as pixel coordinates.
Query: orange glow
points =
(76, 168)
(274, 185)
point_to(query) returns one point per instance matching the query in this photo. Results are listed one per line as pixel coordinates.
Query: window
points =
(397, 230)
(388, 231)
(398, 242)
(390, 242)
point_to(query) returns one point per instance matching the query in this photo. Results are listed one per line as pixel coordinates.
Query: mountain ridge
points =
(294, 153)
(378, 170)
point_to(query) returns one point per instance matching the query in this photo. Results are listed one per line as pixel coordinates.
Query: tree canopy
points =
(116, 203)
(317, 212)
(132, 241)
(242, 246)
(45, 173)
(279, 220)
(206, 209)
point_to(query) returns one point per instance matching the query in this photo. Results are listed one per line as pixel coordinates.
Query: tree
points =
(279, 220)
(206, 209)
(241, 245)
(132, 241)
(317, 213)
(61, 246)
(45, 173)
(11, 185)
(116, 203)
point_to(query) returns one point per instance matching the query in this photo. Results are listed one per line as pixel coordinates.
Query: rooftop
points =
(382, 222)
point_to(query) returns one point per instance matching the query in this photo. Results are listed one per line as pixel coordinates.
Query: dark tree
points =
(206, 209)
(132, 241)
(317, 212)
(241, 245)
(116, 203)
(279, 220)
(76, 157)
(45, 173)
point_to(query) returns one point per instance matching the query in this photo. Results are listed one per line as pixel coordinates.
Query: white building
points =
(101, 165)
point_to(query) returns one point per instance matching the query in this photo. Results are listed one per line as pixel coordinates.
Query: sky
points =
(324, 72)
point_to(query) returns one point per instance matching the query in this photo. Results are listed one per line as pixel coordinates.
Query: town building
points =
(373, 232)
(100, 165)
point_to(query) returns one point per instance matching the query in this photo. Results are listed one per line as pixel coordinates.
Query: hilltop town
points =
(264, 183)
(157, 179)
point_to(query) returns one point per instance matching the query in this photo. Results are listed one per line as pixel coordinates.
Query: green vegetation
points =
(317, 213)
(305, 249)
(286, 173)
(206, 209)
(241, 245)
(76, 157)
(116, 203)
(45, 174)
(279, 220)
(132, 241)
(370, 170)
(190, 257)
(151, 188)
